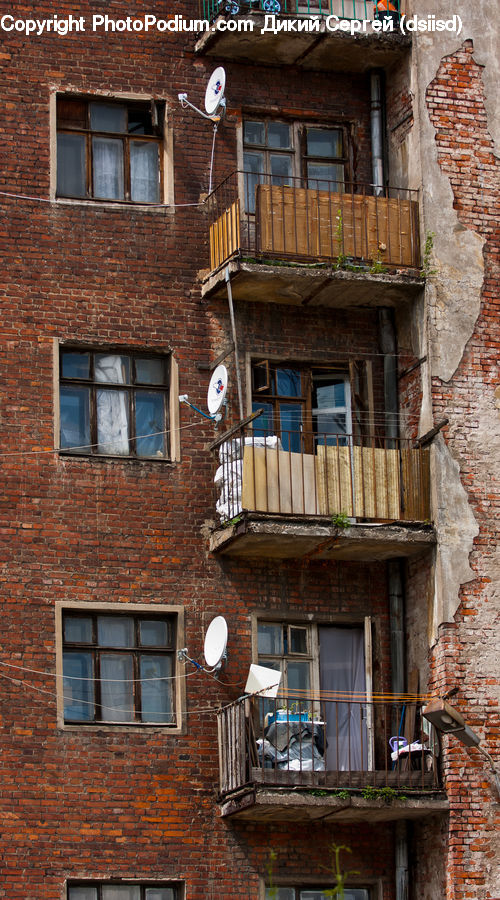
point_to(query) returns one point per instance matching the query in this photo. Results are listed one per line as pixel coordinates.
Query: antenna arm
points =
(183, 100)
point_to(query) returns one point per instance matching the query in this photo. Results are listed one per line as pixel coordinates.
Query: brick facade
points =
(124, 803)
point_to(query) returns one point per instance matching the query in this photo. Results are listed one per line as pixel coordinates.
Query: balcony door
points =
(345, 677)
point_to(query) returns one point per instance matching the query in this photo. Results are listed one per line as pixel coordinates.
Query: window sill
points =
(117, 205)
(104, 457)
(121, 728)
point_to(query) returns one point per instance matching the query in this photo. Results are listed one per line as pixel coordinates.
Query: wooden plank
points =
(224, 235)
(276, 481)
(334, 479)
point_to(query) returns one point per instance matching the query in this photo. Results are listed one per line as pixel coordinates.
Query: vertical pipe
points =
(235, 342)
(376, 132)
(387, 339)
(396, 604)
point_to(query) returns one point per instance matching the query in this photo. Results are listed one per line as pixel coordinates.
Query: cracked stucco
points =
(453, 295)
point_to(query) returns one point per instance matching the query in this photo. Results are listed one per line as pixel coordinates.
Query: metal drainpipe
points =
(388, 346)
(396, 605)
(376, 131)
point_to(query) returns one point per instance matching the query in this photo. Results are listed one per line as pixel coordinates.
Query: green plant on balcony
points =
(387, 794)
(377, 267)
(341, 520)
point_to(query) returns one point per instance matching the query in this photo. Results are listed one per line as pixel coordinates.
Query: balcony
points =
(308, 246)
(353, 40)
(320, 495)
(326, 760)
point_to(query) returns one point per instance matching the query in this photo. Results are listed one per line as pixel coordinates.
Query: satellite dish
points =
(215, 642)
(262, 680)
(217, 390)
(214, 93)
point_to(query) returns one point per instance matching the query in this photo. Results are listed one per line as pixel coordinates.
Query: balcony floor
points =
(300, 285)
(323, 51)
(287, 537)
(264, 804)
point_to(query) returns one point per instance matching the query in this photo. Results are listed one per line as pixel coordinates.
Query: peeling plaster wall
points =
(453, 295)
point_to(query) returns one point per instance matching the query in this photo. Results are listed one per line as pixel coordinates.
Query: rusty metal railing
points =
(329, 743)
(298, 473)
(343, 9)
(268, 217)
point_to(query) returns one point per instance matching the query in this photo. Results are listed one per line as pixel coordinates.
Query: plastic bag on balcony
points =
(303, 755)
(229, 473)
(230, 450)
(269, 755)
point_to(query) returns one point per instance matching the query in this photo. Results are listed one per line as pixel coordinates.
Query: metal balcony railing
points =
(343, 9)
(297, 473)
(262, 216)
(348, 743)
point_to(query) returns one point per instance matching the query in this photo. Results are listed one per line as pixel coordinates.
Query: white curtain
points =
(107, 168)
(112, 408)
(144, 172)
(342, 669)
(117, 673)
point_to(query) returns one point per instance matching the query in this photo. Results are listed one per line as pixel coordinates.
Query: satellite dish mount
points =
(215, 102)
(214, 650)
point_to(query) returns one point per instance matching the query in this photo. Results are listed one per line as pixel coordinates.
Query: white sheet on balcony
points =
(229, 475)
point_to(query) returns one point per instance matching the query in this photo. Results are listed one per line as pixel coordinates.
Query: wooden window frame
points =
(157, 113)
(130, 388)
(136, 651)
(176, 886)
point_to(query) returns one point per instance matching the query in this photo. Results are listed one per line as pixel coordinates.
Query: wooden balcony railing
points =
(343, 9)
(351, 224)
(302, 474)
(309, 741)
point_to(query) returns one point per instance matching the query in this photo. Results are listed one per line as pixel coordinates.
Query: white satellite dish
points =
(262, 680)
(214, 93)
(215, 642)
(217, 390)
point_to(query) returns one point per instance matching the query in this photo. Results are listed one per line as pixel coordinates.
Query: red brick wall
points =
(133, 804)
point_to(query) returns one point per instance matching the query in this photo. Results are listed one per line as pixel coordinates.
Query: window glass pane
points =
(71, 165)
(324, 142)
(139, 121)
(298, 676)
(144, 169)
(254, 133)
(160, 893)
(264, 424)
(154, 633)
(253, 164)
(325, 176)
(75, 364)
(78, 687)
(112, 422)
(156, 696)
(82, 892)
(269, 639)
(112, 369)
(278, 135)
(78, 630)
(281, 168)
(291, 421)
(71, 113)
(356, 894)
(74, 418)
(115, 631)
(150, 422)
(313, 895)
(298, 640)
(107, 168)
(117, 689)
(283, 893)
(108, 117)
(288, 382)
(150, 371)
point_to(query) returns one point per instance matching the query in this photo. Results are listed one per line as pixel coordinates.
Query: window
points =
(314, 893)
(123, 891)
(287, 153)
(109, 151)
(304, 405)
(326, 660)
(114, 403)
(118, 668)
